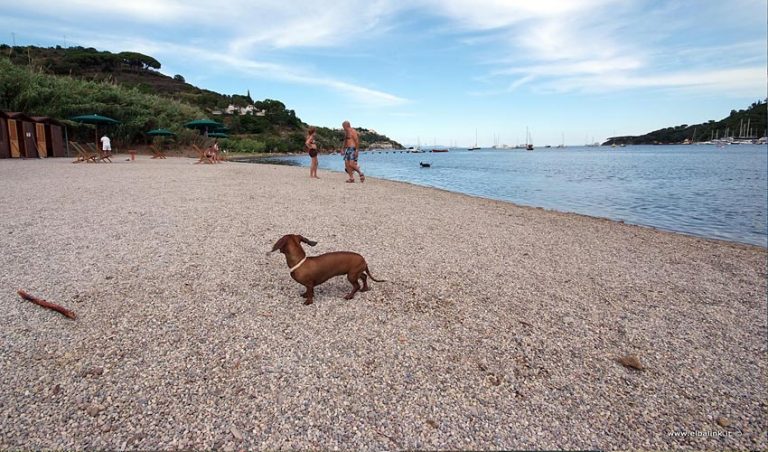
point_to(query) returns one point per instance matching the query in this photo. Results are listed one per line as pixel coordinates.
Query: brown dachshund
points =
(313, 271)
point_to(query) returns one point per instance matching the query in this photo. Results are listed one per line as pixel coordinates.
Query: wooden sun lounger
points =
(83, 155)
(157, 153)
(204, 155)
(100, 155)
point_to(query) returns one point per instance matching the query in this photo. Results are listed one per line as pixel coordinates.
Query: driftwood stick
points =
(39, 301)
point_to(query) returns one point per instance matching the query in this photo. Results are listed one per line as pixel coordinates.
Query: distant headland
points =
(742, 126)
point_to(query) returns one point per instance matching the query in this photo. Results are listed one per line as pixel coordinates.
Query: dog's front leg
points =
(309, 295)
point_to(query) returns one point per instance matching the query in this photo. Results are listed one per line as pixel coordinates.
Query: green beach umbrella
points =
(203, 125)
(95, 120)
(218, 135)
(161, 133)
(199, 123)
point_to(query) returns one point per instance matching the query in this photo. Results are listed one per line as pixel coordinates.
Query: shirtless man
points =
(351, 150)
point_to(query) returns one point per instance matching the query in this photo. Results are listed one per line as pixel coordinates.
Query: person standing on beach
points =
(351, 150)
(311, 147)
(106, 145)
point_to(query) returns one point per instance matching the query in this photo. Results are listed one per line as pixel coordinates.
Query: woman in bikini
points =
(311, 147)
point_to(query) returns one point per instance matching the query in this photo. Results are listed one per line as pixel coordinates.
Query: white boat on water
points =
(528, 140)
(475, 147)
(562, 143)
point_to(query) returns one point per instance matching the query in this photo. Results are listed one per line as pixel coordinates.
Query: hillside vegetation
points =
(65, 82)
(755, 116)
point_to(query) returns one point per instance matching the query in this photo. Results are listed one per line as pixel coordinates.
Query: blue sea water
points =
(699, 190)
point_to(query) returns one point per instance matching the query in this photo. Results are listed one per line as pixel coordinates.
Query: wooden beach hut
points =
(21, 133)
(5, 144)
(49, 137)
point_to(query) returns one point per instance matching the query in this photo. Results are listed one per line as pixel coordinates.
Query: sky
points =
(441, 72)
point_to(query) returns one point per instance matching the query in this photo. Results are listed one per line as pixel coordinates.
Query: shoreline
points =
(431, 187)
(501, 325)
(725, 242)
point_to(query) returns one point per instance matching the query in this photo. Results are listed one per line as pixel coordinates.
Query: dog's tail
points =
(368, 272)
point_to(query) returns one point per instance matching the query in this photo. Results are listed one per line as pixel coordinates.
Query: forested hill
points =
(130, 69)
(279, 129)
(748, 123)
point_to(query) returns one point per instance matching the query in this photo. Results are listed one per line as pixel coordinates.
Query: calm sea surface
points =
(700, 190)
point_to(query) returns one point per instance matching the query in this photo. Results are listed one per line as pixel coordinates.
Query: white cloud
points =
(491, 14)
(577, 67)
(563, 45)
(591, 45)
(281, 24)
(739, 81)
(360, 94)
(147, 11)
(246, 25)
(233, 32)
(291, 74)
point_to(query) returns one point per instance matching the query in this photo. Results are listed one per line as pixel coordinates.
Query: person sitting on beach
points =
(208, 155)
(311, 146)
(351, 151)
(215, 150)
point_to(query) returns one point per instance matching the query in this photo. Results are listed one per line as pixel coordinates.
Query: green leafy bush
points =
(243, 145)
(35, 93)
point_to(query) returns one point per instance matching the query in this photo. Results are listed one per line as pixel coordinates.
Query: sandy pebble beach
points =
(500, 327)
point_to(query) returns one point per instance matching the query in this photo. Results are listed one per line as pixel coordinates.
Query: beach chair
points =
(157, 152)
(101, 156)
(83, 155)
(80, 157)
(204, 156)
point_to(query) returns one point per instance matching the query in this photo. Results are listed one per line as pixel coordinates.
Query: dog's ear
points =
(279, 244)
(307, 241)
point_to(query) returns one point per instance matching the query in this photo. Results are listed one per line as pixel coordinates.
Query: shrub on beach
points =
(244, 145)
(293, 142)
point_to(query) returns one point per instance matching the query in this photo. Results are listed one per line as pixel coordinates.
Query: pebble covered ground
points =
(500, 327)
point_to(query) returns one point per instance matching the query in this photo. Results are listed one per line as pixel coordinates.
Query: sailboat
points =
(417, 149)
(528, 140)
(474, 148)
(562, 143)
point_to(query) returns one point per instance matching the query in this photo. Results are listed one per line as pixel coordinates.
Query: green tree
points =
(139, 61)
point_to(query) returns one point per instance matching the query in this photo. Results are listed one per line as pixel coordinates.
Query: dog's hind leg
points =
(352, 278)
(365, 283)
